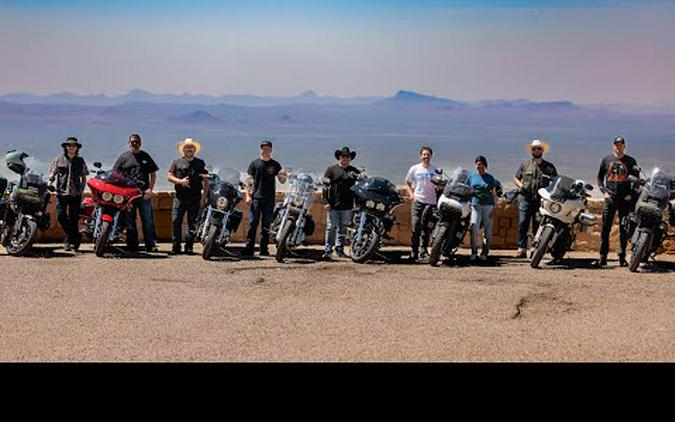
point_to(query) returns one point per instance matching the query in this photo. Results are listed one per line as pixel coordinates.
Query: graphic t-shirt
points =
(420, 179)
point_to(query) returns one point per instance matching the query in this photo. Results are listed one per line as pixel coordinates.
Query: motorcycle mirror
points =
(98, 164)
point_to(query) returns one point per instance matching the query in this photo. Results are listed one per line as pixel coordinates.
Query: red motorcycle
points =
(112, 193)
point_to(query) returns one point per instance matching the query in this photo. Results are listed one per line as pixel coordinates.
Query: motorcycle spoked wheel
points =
(282, 245)
(640, 252)
(210, 243)
(364, 250)
(20, 241)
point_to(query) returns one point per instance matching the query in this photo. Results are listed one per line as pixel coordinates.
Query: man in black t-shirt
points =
(338, 199)
(260, 194)
(188, 174)
(141, 168)
(614, 183)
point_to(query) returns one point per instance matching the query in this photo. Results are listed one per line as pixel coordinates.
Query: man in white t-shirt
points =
(423, 193)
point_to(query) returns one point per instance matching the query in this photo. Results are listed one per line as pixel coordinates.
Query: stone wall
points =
(505, 227)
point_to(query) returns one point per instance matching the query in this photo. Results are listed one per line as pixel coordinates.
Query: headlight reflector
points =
(380, 206)
(222, 203)
(370, 204)
(555, 208)
(118, 199)
(107, 196)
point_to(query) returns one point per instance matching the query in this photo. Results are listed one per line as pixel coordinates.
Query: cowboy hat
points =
(189, 141)
(71, 141)
(344, 151)
(537, 143)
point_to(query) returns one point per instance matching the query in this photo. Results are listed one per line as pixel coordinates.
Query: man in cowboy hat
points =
(137, 165)
(188, 175)
(423, 194)
(338, 199)
(260, 194)
(614, 183)
(532, 175)
(69, 171)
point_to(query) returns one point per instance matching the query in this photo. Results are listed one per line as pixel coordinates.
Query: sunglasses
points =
(537, 149)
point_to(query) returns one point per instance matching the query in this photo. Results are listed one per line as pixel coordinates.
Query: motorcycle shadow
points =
(658, 267)
(47, 252)
(118, 253)
(304, 256)
(465, 261)
(575, 264)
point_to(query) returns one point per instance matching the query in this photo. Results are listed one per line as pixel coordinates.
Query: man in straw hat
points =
(137, 165)
(187, 173)
(69, 171)
(532, 175)
(614, 183)
(338, 199)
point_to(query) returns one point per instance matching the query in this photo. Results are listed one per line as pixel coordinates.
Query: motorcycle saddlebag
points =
(310, 225)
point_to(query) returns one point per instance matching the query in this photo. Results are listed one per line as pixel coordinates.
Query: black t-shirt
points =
(264, 172)
(192, 169)
(339, 195)
(137, 167)
(613, 175)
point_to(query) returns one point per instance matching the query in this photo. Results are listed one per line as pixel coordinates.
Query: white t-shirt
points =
(420, 179)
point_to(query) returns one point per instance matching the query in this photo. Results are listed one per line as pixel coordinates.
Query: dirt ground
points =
(57, 306)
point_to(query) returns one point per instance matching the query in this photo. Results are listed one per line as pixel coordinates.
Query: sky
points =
(582, 51)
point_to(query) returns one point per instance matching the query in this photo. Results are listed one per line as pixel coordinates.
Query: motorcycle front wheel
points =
(102, 240)
(438, 245)
(540, 250)
(639, 252)
(19, 244)
(366, 248)
(210, 243)
(282, 245)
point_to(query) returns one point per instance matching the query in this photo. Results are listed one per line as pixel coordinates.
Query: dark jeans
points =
(612, 205)
(143, 207)
(68, 214)
(528, 211)
(420, 221)
(265, 208)
(180, 208)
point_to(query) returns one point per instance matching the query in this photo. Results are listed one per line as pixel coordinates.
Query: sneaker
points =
(326, 256)
(622, 260)
(521, 253)
(66, 246)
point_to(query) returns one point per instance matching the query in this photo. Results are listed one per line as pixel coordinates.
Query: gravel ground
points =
(55, 306)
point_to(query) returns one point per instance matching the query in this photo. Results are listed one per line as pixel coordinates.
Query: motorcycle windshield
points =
(560, 187)
(230, 175)
(662, 181)
(458, 183)
(116, 179)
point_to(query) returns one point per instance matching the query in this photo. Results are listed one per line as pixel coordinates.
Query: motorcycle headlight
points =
(107, 196)
(380, 206)
(298, 202)
(118, 199)
(222, 203)
(370, 204)
(555, 208)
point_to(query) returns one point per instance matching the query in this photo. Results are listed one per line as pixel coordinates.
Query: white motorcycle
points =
(563, 212)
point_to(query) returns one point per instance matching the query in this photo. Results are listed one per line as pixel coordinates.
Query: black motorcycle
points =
(453, 215)
(220, 219)
(647, 225)
(25, 207)
(375, 199)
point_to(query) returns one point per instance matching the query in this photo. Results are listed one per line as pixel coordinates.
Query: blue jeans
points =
(337, 220)
(481, 214)
(144, 208)
(260, 207)
(180, 207)
(528, 211)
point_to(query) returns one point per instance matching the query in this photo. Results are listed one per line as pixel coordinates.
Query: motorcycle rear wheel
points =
(540, 250)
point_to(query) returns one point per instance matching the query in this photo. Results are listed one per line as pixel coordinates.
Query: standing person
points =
(69, 171)
(188, 175)
(137, 165)
(423, 193)
(483, 205)
(619, 196)
(338, 199)
(530, 177)
(260, 194)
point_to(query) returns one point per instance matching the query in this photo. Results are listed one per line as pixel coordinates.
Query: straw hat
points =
(537, 143)
(189, 141)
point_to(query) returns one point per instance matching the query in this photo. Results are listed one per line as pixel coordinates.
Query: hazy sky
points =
(584, 51)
